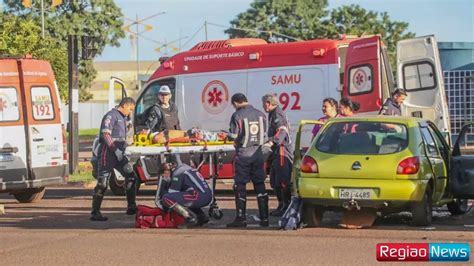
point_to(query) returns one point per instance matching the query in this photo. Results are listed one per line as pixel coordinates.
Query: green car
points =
(388, 163)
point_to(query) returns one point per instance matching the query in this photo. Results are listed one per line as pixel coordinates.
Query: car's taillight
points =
(409, 166)
(309, 165)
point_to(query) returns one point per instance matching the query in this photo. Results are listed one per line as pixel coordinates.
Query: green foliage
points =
(98, 18)
(300, 19)
(23, 36)
(355, 20)
(310, 19)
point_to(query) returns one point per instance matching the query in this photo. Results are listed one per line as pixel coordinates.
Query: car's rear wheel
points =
(312, 215)
(116, 186)
(423, 211)
(30, 195)
(458, 206)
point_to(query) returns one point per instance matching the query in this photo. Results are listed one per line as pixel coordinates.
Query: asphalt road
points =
(57, 230)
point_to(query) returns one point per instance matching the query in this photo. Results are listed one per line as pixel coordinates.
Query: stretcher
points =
(209, 152)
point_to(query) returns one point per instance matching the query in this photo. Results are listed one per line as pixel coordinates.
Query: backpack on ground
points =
(148, 217)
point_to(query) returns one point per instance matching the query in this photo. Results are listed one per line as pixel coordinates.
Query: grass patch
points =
(83, 173)
(88, 134)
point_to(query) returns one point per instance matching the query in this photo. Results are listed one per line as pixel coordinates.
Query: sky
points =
(449, 20)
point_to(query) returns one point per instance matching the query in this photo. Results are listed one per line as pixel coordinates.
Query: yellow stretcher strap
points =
(146, 140)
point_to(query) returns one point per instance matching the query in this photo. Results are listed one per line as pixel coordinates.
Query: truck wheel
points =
(423, 211)
(458, 206)
(312, 215)
(116, 186)
(30, 195)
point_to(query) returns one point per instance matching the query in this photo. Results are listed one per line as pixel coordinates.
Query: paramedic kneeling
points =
(187, 192)
(113, 141)
(247, 128)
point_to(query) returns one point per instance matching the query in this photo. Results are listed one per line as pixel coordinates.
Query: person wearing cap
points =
(170, 110)
(247, 129)
(392, 106)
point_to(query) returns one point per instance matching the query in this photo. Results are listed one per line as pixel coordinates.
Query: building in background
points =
(125, 70)
(457, 61)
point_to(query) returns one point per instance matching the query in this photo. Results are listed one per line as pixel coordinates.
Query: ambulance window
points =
(9, 110)
(360, 79)
(42, 103)
(419, 76)
(150, 96)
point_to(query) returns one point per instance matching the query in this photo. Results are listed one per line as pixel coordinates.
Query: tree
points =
(23, 36)
(355, 20)
(310, 19)
(98, 18)
(295, 19)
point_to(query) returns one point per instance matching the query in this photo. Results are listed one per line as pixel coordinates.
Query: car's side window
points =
(431, 149)
(443, 148)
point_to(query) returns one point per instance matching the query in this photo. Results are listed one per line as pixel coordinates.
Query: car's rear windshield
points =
(363, 138)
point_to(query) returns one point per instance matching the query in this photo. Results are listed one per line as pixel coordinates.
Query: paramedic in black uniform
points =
(247, 128)
(392, 106)
(169, 108)
(279, 140)
(113, 141)
(185, 192)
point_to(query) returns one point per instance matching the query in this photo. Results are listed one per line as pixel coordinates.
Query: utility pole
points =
(205, 29)
(138, 57)
(73, 125)
(136, 33)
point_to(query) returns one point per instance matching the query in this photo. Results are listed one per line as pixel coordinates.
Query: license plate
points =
(346, 193)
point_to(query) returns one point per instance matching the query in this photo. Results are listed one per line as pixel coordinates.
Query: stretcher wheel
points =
(216, 213)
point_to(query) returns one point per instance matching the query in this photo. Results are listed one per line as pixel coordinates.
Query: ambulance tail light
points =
(65, 153)
(309, 165)
(409, 166)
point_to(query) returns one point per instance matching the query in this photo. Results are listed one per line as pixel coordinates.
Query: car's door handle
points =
(9, 150)
(36, 140)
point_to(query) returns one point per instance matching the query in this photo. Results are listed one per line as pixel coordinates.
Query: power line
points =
(194, 35)
(255, 30)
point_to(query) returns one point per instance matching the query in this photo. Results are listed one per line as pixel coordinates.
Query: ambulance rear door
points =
(419, 72)
(362, 82)
(44, 120)
(13, 159)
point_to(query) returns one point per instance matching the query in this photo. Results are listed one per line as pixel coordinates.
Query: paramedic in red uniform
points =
(247, 128)
(279, 139)
(113, 141)
(186, 192)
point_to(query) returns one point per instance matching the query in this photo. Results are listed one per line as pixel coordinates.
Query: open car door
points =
(419, 72)
(362, 74)
(462, 164)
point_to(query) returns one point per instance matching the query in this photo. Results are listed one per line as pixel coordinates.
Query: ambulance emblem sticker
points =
(215, 97)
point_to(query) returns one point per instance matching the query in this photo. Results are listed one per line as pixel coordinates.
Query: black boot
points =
(201, 217)
(285, 198)
(96, 215)
(190, 218)
(262, 200)
(131, 196)
(240, 219)
(280, 202)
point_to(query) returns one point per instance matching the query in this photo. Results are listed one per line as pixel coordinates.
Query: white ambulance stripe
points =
(193, 179)
(260, 121)
(246, 132)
